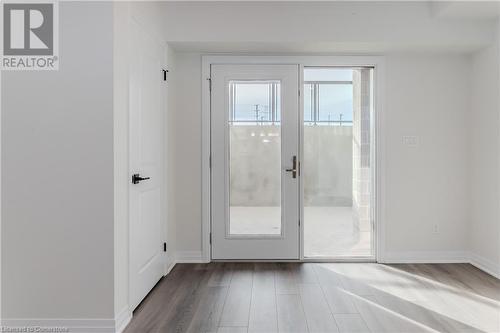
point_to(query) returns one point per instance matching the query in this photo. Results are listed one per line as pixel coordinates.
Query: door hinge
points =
(210, 161)
(210, 238)
(164, 247)
(299, 222)
(165, 71)
(209, 84)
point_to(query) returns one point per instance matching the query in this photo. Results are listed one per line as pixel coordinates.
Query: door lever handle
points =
(136, 178)
(293, 170)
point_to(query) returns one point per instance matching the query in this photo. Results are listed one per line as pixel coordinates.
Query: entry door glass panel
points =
(337, 171)
(254, 139)
(255, 158)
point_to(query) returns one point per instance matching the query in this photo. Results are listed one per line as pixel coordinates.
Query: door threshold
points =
(305, 260)
(341, 259)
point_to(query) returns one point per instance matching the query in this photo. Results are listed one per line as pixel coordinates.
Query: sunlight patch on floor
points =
(413, 297)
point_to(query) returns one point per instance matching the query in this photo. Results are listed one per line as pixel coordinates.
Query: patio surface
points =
(328, 231)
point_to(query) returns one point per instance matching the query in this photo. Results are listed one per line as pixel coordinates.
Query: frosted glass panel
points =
(255, 158)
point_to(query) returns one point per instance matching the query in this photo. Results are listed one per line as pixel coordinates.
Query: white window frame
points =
(378, 138)
(315, 98)
(272, 117)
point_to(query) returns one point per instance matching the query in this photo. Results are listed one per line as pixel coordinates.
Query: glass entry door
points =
(254, 161)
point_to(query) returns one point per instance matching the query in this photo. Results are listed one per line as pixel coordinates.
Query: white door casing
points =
(225, 245)
(146, 103)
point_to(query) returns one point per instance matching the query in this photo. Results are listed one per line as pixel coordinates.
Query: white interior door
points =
(146, 161)
(254, 157)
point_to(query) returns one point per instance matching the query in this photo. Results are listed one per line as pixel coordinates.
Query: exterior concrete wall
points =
(326, 167)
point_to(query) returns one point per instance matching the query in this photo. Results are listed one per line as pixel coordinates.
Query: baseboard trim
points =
(72, 325)
(485, 264)
(183, 257)
(404, 257)
(425, 257)
(442, 257)
(122, 320)
(169, 267)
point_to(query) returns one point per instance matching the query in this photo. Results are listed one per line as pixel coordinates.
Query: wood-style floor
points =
(310, 297)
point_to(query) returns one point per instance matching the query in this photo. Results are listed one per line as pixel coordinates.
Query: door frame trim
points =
(379, 211)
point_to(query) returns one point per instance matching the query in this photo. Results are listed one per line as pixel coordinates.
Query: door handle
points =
(293, 170)
(136, 178)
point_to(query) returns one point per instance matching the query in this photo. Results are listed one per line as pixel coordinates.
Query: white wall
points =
(426, 96)
(185, 122)
(485, 152)
(121, 158)
(57, 178)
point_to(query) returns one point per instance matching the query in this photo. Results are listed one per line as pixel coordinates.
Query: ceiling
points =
(353, 27)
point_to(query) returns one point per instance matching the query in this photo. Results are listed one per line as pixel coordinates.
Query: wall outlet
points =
(410, 140)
